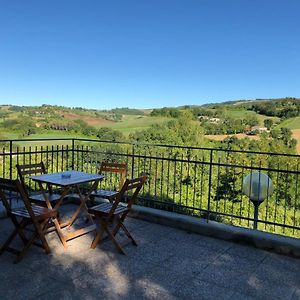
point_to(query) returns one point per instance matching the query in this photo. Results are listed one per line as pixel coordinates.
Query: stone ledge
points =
(259, 239)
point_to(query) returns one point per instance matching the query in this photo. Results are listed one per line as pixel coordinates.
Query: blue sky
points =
(145, 54)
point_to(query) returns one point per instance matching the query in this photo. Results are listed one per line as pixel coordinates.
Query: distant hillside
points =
(229, 117)
(51, 120)
(250, 102)
(260, 119)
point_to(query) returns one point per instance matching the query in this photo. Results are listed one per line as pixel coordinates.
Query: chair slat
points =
(117, 168)
(32, 172)
(104, 193)
(34, 169)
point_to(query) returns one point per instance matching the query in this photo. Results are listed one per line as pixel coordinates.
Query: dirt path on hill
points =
(221, 137)
(296, 136)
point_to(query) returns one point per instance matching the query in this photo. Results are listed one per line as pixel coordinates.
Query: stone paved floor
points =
(167, 264)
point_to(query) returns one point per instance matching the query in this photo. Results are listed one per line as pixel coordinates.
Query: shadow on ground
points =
(167, 264)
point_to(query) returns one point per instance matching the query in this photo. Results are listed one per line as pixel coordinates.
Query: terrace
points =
(168, 263)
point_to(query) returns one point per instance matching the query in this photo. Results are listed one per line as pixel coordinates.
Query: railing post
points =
(10, 159)
(73, 146)
(132, 162)
(209, 184)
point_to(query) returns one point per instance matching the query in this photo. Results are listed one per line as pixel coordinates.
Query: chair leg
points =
(119, 225)
(8, 241)
(18, 230)
(110, 234)
(43, 240)
(37, 234)
(99, 235)
(25, 249)
(128, 234)
(98, 238)
(19, 227)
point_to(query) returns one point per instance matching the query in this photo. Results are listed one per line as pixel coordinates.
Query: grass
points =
(293, 123)
(242, 114)
(43, 143)
(132, 123)
(48, 135)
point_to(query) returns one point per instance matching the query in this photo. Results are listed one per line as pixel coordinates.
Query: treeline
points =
(169, 112)
(173, 112)
(127, 111)
(22, 126)
(229, 125)
(80, 127)
(285, 108)
(58, 109)
(181, 131)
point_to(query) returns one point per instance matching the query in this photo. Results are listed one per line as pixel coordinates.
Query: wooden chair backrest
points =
(134, 185)
(24, 171)
(120, 168)
(10, 185)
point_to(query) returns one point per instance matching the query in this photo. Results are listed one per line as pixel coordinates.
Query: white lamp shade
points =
(257, 186)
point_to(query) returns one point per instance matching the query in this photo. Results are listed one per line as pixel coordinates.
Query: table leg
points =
(83, 200)
(60, 233)
(56, 207)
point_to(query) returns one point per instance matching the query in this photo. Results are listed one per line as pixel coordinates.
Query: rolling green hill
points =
(216, 118)
(48, 121)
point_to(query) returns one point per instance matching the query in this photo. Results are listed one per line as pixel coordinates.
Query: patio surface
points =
(167, 264)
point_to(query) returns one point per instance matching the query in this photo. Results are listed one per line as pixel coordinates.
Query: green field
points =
(130, 124)
(293, 123)
(49, 135)
(242, 114)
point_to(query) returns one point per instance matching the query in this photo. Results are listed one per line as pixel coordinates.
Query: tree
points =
(3, 115)
(182, 131)
(81, 126)
(251, 120)
(275, 133)
(268, 123)
(108, 134)
(227, 187)
(286, 135)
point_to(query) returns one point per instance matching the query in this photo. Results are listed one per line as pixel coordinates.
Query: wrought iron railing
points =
(203, 182)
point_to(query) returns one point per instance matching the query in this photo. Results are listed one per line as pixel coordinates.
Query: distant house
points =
(203, 118)
(58, 127)
(256, 130)
(209, 119)
(214, 120)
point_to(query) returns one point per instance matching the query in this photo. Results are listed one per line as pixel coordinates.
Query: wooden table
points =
(68, 180)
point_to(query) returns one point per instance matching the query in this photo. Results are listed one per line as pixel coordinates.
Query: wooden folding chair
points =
(107, 212)
(112, 169)
(34, 215)
(24, 171)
